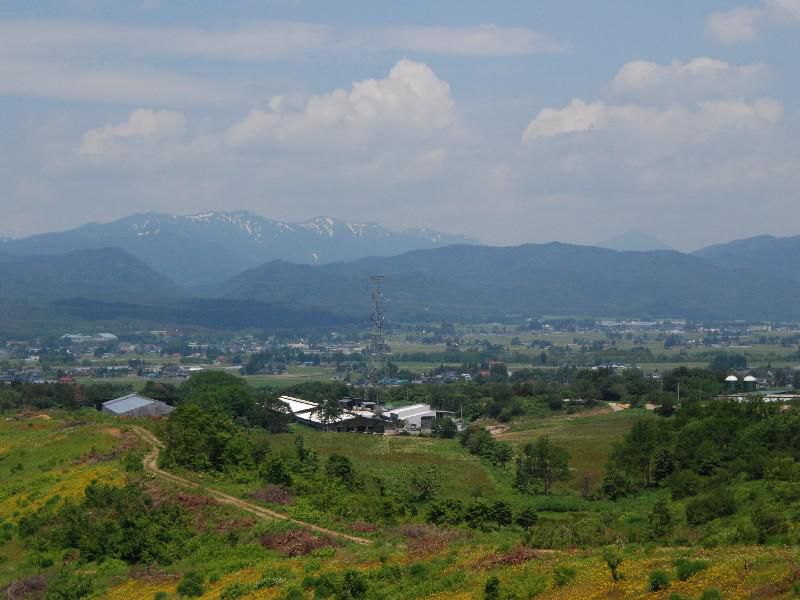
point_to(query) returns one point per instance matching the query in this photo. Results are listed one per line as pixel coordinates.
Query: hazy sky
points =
(511, 122)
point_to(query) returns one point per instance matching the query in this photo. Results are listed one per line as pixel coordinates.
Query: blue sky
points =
(510, 122)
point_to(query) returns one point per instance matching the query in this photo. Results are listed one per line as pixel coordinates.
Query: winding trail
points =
(151, 466)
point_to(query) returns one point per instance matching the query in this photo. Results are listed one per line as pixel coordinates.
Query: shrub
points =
(325, 586)
(527, 518)
(684, 483)
(562, 576)
(685, 568)
(339, 467)
(768, 523)
(711, 594)
(659, 580)
(93, 527)
(191, 585)
(424, 483)
(235, 591)
(353, 584)
(161, 596)
(294, 593)
(491, 590)
(446, 512)
(613, 561)
(132, 461)
(718, 504)
(661, 522)
(69, 586)
(276, 473)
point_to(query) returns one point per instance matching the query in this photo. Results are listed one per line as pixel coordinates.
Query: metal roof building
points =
(134, 405)
(305, 412)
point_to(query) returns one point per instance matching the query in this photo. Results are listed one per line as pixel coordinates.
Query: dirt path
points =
(151, 466)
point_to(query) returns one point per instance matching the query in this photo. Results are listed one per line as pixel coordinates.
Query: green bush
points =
(191, 585)
(446, 512)
(711, 594)
(491, 589)
(684, 484)
(146, 534)
(527, 518)
(562, 576)
(353, 584)
(768, 522)
(613, 561)
(235, 591)
(717, 504)
(161, 596)
(294, 593)
(132, 461)
(659, 580)
(69, 586)
(685, 568)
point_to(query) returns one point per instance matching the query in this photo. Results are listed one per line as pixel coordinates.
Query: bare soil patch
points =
(274, 494)
(517, 556)
(30, 588)
(295, 543)
(427, 539)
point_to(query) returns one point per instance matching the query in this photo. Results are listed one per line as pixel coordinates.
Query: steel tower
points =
(376, 353)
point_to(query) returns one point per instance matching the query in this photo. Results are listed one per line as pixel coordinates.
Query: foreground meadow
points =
(49, 459)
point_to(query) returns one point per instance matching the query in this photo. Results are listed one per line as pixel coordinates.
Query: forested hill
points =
(765, 253)
(107, 274)
(477, 281)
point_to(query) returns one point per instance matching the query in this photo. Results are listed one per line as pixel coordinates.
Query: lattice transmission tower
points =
(376, 353)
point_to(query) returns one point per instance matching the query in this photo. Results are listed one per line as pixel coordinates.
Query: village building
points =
(134, 405)
(419, 417)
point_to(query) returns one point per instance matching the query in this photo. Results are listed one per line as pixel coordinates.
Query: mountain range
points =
(778, 256)
(202, 249)
(755, 279)
(532, 279)
(634, 241)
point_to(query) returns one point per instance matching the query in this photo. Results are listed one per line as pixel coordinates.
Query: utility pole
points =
(376, 352)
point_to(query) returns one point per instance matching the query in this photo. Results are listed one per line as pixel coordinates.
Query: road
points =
(151, 466)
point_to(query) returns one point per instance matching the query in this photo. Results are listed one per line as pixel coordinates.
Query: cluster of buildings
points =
(357, 416)
(743, 387)
(352, 416)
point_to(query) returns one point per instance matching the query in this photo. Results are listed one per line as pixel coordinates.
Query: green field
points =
(588, 437)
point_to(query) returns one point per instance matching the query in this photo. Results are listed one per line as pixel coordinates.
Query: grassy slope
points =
(53, 455)
(40, 459)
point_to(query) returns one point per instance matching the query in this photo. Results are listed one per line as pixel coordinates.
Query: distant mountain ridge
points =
(778, 256)
(755, 279)
(634, 241)
(462, 281)
(206, 248)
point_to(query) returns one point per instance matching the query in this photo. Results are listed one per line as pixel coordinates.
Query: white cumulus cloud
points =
(698, 77)
(141, 125)
(411, 102)
(744, 23)
(688, 123)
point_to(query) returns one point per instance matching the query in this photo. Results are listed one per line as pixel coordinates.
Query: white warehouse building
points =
(418, 417)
